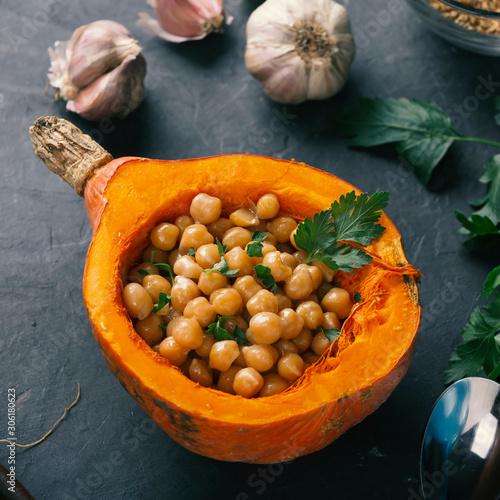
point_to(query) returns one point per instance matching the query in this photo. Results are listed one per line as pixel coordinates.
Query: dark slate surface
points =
(201, 101)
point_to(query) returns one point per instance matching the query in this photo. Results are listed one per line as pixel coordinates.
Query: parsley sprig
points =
(353, 218)
(220, 333)
(163, 300)
(222, 266)
(254, 248)
(479, 353)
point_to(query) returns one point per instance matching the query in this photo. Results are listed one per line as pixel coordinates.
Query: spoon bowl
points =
(460, 455)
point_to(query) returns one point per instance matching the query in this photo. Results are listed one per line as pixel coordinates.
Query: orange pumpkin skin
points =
(128, 196)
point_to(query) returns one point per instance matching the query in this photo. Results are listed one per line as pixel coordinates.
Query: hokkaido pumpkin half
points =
(126, 197)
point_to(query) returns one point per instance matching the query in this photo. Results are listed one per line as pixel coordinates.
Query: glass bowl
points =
(466, 38)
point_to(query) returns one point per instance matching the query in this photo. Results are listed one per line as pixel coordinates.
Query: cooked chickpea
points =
(262, 301)
(273, 384)
(249, 336)
(174, 352)
(226, 301)
(154, 284)
(137, 301)
(201, 310)
(312, 314)
(320, 343)
(182, 222)
(247, 287)
(222, 355)
(188, 333)
(299, 285)
(247, 382)
(205, 209)
(171, 324)
(291, 366)
(328, 273)
(285, 346)
(268, 206)
(300, 255)
(236, 237)
(219, 227)
(149, 329)
(209, 282)
(258, 357)
(283, 301)
(183, 290)
(204, 350)
(339, 301)
(173, 257)
(279, 270)
(137, 273)
(237, 258)
(194, 236)
(186, 266)
(292, 323)
(266, 327)
(289, 259)
(231, 323)
(200, 372)
(310, 358)
(164, 236)
(323, 289)
(154, 255)
(330, 320)
(226, 379)
(244, 217)
(303, 340)
(316, 275)
(282, 227)
(207, 255)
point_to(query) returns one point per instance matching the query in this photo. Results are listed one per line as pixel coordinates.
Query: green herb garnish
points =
(357, 297)
(240, 336)
(217, 329)
(254, 248)
(166, 268)
(479, 353)
(331, 333)
(482, 227)
(163, 300)
(264, 274)
(191, 251)
(421, 131)
(143, 272)
(222, 266)
(352, 218)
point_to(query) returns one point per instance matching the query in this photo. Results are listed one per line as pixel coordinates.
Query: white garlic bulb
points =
(299, 49)
(184, 20)
(99, 71)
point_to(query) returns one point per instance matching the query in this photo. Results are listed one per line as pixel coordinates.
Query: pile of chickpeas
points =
(282, 327)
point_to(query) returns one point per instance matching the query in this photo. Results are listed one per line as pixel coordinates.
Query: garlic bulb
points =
(99, 71)
(299, 49)
(183, 20)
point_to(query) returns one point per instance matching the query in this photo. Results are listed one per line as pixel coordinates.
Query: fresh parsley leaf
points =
(421, 131)
(355, 217)
(316, 234)
(491, 284)
(479, 352)
(143, 272)
(191, 251)
(254, 249)
(152, 258)
(258, 236)
(163, 326)
(167, 268)
(240, 336)
(357, 297)
(483, 227)
(352, 218)
(163, 300)
(222, 266)
(217, 329)
(264, 274)
(331, 333)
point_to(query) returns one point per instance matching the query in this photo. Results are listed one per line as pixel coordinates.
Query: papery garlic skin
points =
(99, 71)
(184, 20)
(299, 49)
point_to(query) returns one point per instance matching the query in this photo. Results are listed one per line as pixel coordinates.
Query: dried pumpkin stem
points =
(67, 151)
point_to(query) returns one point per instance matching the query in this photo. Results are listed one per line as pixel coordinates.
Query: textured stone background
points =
(201, 101)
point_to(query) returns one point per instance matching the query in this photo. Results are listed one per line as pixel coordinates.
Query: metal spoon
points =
(460, 455)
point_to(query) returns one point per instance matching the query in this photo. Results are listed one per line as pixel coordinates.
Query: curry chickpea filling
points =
(235, 303)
